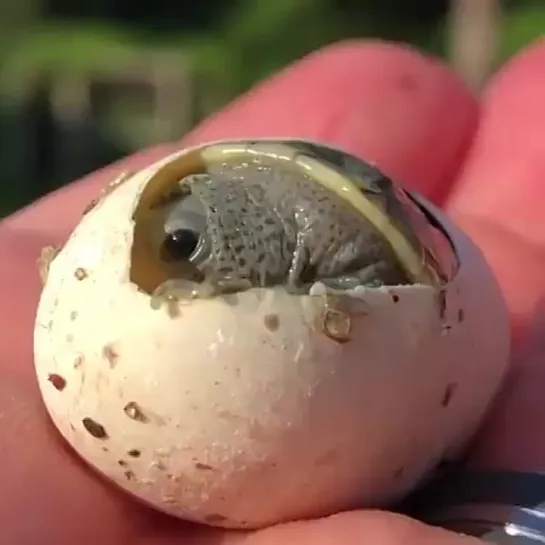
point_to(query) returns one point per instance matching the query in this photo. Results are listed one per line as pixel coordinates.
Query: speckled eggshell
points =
(261, 407)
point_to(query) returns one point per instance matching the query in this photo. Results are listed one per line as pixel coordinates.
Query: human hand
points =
(389, 105)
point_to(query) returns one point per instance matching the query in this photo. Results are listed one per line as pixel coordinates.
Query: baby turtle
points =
(289, 213)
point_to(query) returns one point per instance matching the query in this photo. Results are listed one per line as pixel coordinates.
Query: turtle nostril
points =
(180, 245)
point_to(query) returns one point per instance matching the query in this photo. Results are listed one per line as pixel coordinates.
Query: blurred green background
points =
(84, 83)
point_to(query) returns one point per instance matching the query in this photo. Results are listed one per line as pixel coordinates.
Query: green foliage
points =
(68, 48)
(226, 45)
(521, 26)
(258, 38)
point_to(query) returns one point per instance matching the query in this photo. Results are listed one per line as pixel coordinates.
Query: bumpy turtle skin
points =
(276, 226)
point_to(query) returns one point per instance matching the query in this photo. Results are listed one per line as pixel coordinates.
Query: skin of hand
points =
(482, 160)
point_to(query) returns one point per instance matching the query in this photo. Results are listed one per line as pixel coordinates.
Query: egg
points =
(243, 386)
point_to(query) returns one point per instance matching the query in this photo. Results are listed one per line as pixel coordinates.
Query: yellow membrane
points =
(408, 256)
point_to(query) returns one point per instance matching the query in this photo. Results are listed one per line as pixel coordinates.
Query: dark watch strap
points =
(496, 523)
(506, 508)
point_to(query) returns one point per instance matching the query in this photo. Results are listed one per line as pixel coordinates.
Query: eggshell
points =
(262, 407)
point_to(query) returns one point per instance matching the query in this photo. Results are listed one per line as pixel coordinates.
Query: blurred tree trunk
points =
(473, 36)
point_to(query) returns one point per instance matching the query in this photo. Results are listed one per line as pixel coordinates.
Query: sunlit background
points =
(83, 83)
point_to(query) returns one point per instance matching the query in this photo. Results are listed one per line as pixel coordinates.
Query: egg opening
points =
(230, 217)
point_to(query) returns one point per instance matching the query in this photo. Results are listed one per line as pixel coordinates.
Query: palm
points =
(383, 103)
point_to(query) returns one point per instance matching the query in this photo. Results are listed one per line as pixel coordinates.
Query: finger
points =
(361, 120)
(500, 196)
(388, 104)
(385, 103)
(38, 473)
(33, 482)
(360, 527)
(500, 200)
(73, 506)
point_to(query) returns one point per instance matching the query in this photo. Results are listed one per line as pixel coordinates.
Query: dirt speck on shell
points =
(203, 467)
(442, 304)
(59, 383)
(110, 355)
(272, 322)
(135, 412)
(78, 361)
(336, 325)
(94, 428)
(47, 255)
(80, 274)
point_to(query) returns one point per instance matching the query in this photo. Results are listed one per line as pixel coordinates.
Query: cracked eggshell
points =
(261, 407)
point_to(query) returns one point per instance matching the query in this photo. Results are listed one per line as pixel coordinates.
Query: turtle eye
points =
(180, 245)
(183, 235)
